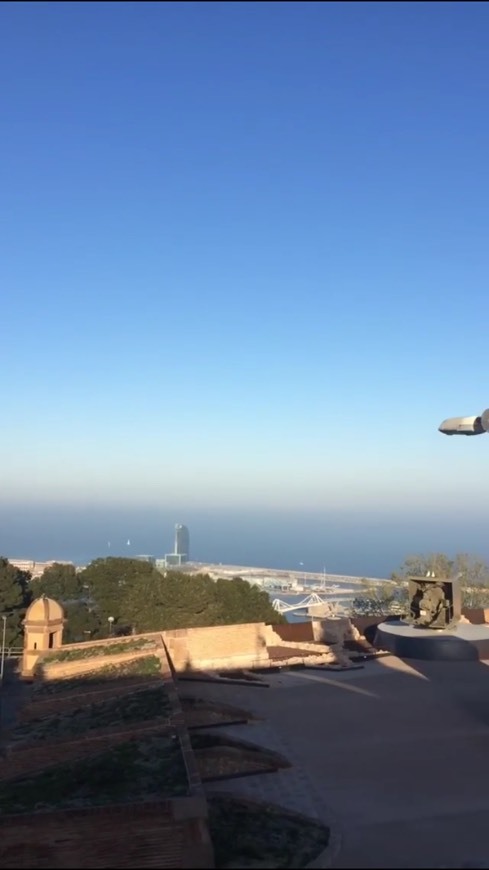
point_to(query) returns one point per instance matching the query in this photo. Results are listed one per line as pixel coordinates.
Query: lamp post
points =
(110, 620)
(2, 661)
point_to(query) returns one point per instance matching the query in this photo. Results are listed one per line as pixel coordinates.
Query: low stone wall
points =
(32, 658)
(221, 647)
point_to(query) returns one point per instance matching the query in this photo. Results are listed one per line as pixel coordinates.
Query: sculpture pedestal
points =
(465, 642)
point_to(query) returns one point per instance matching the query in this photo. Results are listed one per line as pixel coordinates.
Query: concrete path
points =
(13, 695)
(397, 754)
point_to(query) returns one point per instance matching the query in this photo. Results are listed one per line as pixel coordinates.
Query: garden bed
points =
(150, 768)
(251, 835)
(139, 706)
(221, 757)
(147, 666)
(109, 649)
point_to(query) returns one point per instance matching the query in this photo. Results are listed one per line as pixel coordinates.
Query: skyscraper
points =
(182, 542)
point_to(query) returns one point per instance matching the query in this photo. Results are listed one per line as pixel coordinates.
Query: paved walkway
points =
(396, 755)
(13, 695)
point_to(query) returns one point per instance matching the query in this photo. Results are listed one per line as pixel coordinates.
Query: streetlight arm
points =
(466, 425)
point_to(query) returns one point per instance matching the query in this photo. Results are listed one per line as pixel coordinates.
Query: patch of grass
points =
(246, 835)
(88, 652)
(143, 667)
(139, 769)
(138, 706)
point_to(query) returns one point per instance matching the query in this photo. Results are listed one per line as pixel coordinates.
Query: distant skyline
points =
(244, 272)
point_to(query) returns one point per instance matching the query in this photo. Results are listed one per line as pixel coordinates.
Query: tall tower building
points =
(182, 542)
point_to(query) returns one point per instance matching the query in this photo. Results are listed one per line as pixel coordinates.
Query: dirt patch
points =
(200, 714)
(215, 764)
(239, 675)
(219, 757)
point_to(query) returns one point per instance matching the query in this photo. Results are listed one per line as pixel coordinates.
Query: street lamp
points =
(475, 425)
(110, 620)
(2, 661)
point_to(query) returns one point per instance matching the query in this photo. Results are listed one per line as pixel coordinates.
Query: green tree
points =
(179, 600)
(61, 582)
(108, 585)
(82, 623)
(140, 598)
(380, 599)
(471, 570)
(172, 600)
(419, 565)
(14, 599)
(240, 601)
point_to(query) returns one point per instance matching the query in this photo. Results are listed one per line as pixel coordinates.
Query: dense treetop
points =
(471, 570)
(137, 598)
(15, 597)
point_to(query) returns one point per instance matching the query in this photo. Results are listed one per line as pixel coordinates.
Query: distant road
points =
(267, 576)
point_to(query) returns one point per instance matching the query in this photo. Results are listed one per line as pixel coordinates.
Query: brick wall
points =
(240, 646)
(136, 835)
(295, 632)
(217, 646)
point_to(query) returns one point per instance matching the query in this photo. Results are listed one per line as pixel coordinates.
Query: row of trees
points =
(392, 596)
(139, 598)
(15, 597)
(134, 595)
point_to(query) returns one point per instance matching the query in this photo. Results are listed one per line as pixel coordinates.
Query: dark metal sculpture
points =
(434, 602)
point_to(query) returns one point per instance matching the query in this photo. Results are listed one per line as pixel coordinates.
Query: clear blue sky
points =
(244, 254)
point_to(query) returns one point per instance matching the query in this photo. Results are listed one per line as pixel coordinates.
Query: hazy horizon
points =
(354, 543)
